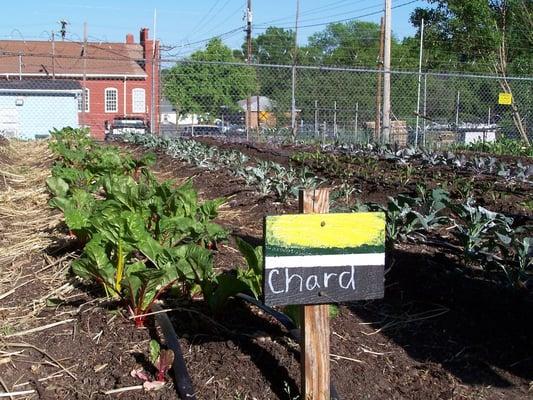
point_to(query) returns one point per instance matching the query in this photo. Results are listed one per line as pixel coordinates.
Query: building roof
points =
(39, 85)
(265, 104)
(65, 59)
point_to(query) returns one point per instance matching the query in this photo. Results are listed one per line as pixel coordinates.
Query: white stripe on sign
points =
(330, 260)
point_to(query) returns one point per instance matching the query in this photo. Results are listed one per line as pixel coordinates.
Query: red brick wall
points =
(96, 117)
(152, 56)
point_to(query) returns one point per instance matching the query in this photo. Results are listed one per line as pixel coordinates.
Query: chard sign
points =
(324, 258)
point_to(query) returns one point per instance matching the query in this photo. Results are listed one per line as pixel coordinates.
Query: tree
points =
(274, 46)
(354, 43)
(205, 83)
(348, 44)
(492, 35)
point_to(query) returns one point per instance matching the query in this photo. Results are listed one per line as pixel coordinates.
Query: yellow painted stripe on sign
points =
(326, 230)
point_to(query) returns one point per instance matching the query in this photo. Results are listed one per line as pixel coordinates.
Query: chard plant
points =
(161, 360)
(139, 236)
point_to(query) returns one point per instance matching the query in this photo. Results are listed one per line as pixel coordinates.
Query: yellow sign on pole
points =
(505, 99)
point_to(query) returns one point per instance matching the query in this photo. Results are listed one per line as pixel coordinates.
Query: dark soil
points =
(375, 180)
(439, 333)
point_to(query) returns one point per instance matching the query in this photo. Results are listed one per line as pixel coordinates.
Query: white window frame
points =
(87, 100)
(106, 105)
(135, 109)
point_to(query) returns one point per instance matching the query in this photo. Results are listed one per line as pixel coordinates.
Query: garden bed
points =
(438, 333)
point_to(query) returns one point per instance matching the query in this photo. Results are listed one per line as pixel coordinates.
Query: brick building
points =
(121, 79)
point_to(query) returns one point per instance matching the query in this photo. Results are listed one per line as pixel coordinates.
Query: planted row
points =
(482, 237)
(488, 239)
(511, 172)
(267, 177)
(140, 237)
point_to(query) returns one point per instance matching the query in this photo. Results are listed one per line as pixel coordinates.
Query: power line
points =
(192, 31)
(239, 9)
(215, 14)
(350, 18)
(337, 14)
(312, 11)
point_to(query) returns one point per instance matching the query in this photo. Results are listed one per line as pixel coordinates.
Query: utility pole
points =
(356, 119)
(386, 72)
(417, 128)
(379, 89)
(249, 17)
(425, 109)
(316, 118)
(294, 60)
(335, 120)
(153, 117)
(84, 88)
(63, 29)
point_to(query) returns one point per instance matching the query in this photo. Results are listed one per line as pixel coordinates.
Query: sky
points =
(184, 24)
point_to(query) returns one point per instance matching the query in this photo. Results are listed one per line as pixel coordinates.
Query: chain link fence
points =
(308, 103)
(341, 104)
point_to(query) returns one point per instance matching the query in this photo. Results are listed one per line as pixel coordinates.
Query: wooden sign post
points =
(314, 321)
(315, 259)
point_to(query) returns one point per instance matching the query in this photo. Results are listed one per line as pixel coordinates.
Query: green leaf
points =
(123, 189)
(209, 209)
(228, 286)
(195, 263)
(76, 218)
(95, 264)
(250, 255)
(60, 202)
(155, 350)
(147, 160)
(57, 186)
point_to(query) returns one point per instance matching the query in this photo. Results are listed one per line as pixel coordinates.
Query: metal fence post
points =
(356, 118)
(335, 119)
(316, 118)
(425, 110)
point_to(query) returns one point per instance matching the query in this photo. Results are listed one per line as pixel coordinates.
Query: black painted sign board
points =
(324, 258)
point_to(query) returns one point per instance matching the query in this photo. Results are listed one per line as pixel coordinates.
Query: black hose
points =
(279, 316)
(294, 331)
(183, 380)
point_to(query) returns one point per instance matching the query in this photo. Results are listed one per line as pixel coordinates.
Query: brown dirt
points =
(438, 333)
(376, 180)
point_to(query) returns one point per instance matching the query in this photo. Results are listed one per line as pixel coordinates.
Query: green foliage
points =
(202, 88)
(140, 236)
(253, 275)
(155, 349)
(350, 43)
(502, 146)
(484, 237)
(274, 46)
(472, 32)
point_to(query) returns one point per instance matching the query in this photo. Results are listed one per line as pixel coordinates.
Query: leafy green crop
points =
(140, 236)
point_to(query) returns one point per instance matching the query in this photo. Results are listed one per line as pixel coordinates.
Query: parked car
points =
(235, 130)
(120, 125)
(200, 130)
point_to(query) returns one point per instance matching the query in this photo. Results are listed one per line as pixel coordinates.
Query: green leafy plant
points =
(162, 360)
(140, 236)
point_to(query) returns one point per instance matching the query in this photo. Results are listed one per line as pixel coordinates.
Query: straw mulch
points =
(29, 228)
